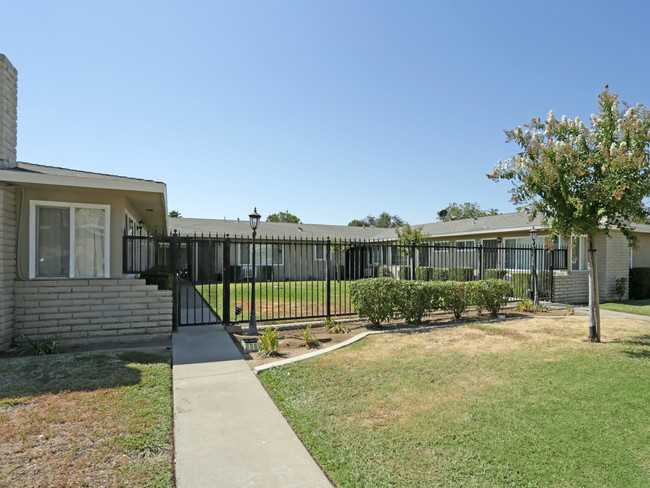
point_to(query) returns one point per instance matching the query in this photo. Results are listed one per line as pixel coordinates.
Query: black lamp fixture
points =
(254, 219)
(533, 234)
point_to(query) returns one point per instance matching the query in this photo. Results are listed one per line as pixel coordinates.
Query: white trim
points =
(465, 241)
(324, 258)
(33, 204)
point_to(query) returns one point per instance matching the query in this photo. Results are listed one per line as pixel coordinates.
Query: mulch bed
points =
(292, 344)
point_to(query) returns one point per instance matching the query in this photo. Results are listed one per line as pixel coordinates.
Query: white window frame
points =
(257, 254)
(438, 245)
(465, 247)
(316, 258)
(34, 204)
(583, 243)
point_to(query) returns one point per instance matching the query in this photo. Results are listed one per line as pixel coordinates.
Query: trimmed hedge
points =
(521, 283)
(381, 299)
(461, 273)
(405, 273)
(428, 273)
(495, 274)
(639, 283)
(163, 280)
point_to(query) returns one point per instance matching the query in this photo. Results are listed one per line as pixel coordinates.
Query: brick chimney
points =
(8, 113)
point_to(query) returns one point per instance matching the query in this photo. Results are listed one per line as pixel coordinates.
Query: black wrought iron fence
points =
(309, 278)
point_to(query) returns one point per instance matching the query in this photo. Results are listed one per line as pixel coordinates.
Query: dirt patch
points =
(292, 344)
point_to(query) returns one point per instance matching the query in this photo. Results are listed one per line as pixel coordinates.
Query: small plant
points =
(309, 339)
(39, 347)
(527, 305)
(569, 310)
(269, 342)
(334, 327)
(619, 288)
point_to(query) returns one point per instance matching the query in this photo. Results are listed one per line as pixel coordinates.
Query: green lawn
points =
(639, 307)
(523, 403)
(86, 419)
(280, 298)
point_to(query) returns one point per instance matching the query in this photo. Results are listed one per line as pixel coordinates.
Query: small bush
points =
(491, 295)
(334, 327)
(405, 273)
(413, 300)
(495, 274)
(374, 298)
(461, 273)
(427, 273)
(310, 339)
(164, 281)
(521, 283)
(639, 283)
(527, 305)
(39, 347)
(269, 342)
(569, 310)
(619, 288)
(385, 272)
(457, 296)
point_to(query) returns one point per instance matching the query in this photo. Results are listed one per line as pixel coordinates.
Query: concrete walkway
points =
(611, 314)
(227, 430)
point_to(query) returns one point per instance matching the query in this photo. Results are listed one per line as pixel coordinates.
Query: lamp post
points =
(533, 236)
(252, 324)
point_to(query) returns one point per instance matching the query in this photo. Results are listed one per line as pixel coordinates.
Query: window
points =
(68, 240)
(265, 254)
(320, 252)
(579, 254)
(465, 245)
(439, 245)
(399, 255)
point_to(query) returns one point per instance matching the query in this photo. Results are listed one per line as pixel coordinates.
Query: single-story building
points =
(61, 267)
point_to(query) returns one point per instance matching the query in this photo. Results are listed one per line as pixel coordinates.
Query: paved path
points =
(610, 314)
(193, 309)
(227, 431)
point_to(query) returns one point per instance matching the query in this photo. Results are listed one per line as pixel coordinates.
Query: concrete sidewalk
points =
(227, 430)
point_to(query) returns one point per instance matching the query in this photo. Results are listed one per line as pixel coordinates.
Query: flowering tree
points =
(584, 180)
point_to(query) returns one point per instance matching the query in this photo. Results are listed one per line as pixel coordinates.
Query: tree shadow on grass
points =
(40, 375)
(641, 343)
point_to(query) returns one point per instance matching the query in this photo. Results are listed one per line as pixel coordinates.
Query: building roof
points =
(56, 171)
(496, 223)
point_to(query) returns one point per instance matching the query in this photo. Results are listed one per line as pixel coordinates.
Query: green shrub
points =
(309, 339)
(164, 281)
(492, 294)
(494, 274)
(269, 342)
(639, 283)
(385, 272)
(620, 287)
(374, 298)
(413, 300)
(427, 273)
(334, 327)
(458, 295)
(39, 347)
(405, 273)
(461, 273)
(521, 283)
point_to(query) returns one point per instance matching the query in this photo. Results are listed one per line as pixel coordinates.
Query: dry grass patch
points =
(94, 419)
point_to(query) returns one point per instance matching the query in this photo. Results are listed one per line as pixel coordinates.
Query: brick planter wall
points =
(92, 311)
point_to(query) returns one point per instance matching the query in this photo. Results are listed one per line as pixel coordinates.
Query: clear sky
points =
(331, 109)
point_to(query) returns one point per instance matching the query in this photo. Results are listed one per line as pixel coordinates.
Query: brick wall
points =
(92, 311)
(7, 263)
(8, 113)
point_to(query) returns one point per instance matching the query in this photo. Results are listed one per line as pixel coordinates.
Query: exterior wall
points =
(641, 255)
(92, 311)
(7, 263)
(8, 113)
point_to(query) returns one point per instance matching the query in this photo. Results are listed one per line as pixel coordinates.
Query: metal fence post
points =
(412, 262)
(328, 287)
(225, 280)
(481, 273)
(176, 282)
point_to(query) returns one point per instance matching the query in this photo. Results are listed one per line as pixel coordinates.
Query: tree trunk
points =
(594, 309)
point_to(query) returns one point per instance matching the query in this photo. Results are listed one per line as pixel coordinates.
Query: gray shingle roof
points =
(56, 171)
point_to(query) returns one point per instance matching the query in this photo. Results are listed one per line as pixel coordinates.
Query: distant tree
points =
(583, 180)
(284, 217)
(466, 210)
(384, 221)
(407, 236)
(174, 213)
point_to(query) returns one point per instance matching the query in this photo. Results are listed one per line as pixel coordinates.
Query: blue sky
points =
(332, 109)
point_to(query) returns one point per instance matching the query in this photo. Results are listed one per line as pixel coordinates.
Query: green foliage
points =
(521, 283)
(334, 327)
(383, 271)
(269, 342)
(428, 273)
(39, 346)
(527, 305)
(174, 213)
(495, 274)
(619, 287)
(410, 236)
(374, 298)
(461, 273)
(309, 338)
(639, 283)
(458, 296)
(492, 294)
(413, 299)
(405, 273)
(283, 217)
(466, 210)
(164, 281)
(569, 310)
(384, 220)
